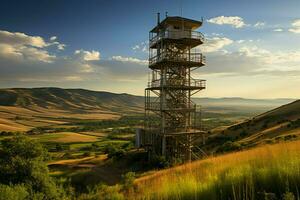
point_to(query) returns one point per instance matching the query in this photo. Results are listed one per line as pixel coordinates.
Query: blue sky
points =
(252, 47)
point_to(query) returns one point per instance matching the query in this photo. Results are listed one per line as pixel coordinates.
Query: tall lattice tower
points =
(172, 121)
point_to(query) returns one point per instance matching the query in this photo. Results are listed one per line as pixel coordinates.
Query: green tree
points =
(22, 162)
(17, 192)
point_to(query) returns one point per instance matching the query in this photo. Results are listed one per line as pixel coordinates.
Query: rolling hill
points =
(77, 100)
(282, 123)
(24, 108)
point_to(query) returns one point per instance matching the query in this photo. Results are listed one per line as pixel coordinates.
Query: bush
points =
(59, 147)
(128, 179)
(86, 154)
(95, 147)
(22, 161)
(229, 146)
(159, 162)
(127, 146)
(265, 125)
(244, 133)
(114, 151)
(288, 196)
(13, 192)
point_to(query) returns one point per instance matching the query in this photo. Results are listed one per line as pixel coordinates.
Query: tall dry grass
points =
(268, 172)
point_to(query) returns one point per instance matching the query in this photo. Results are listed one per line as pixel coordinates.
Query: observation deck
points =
(177, 59)
(182, 37)
(193, 84)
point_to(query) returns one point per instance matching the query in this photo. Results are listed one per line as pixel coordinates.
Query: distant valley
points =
(22, 109)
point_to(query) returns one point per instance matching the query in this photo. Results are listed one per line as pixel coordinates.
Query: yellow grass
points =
(89, 114)
(98, 134)
(65, 137)
(23, 119)
(69, 137)
(201, 177)
(10, 125)
(18, 110)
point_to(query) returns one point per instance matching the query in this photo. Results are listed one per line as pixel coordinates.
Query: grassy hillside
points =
(268, 172)
(240, 106)
(24, 109)
(68, 99)
(282, 123)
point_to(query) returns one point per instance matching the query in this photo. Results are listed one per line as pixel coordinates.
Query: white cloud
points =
(21, 46)
(278, 30)
(53, 38)
(73, 78)
(9, 51)
(248, 59)
(31, 53)
(86, 60)
(130, 60)
(272, 58)
(88, 55)
(136, 47)
(259, 24)
(215, 44)
(143, 47)
(21, 39)
(234, 21)
(61, 46)
(295, 30)
(217, 34)
(253, 51)
(295, 26)
(86, 68)
(296, 23)
(26, 61)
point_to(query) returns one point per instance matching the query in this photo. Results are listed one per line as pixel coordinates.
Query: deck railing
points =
(177, 83)
(180, 34)
(178, 57)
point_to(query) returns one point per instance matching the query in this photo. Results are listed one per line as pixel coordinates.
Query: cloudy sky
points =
(252, 47)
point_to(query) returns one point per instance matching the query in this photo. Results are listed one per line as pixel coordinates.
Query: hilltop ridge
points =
(279, 124)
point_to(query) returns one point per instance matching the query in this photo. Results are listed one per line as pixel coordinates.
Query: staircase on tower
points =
(172, 122)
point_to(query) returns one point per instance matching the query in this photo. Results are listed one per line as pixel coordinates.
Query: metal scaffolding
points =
(172, 119)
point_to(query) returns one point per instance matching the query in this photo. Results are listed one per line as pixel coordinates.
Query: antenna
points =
(180, 5)
(182, 23)
(158, 18)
